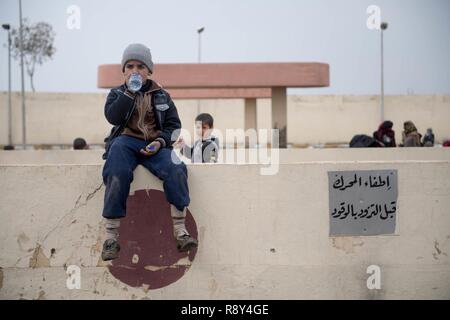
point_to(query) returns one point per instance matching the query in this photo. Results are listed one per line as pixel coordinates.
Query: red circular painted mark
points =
(149, 255)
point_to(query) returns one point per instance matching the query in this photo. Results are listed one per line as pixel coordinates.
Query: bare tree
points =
(37, 45)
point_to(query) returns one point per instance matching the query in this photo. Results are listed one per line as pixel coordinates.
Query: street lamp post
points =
(24, 141)
(7, 27)
(199, 31)
(383, 27)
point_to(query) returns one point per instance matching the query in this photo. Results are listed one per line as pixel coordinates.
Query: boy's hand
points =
(179, 143)
(151, 149)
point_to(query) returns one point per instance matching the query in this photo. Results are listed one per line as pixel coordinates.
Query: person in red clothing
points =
(385, 134)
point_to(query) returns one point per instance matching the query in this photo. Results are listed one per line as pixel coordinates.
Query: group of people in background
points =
(384, 137)
(206, 148)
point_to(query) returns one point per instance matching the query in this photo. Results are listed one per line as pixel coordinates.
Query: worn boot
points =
(185, 242)
(110, 250)
(111, 246)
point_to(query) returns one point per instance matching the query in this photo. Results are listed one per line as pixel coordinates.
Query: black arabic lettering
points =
(373, 183)
(339, 183)
(393, 209)
(363, 213)
(336, 213)
(351, 183)
(373, 212)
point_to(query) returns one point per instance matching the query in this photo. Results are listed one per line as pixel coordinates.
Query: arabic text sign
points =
(362, 202)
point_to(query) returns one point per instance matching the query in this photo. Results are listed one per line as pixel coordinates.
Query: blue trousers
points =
(123, 158)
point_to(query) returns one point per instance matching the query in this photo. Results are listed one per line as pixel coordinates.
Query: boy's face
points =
(135, 66)
(202, 129)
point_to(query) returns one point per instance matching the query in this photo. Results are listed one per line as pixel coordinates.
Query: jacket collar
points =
(150, 86)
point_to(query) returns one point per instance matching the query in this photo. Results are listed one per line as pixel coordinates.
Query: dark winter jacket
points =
(120, 106)
(364, 141)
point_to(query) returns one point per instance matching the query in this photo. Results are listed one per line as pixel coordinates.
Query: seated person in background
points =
(8, 147)
(385, 134)
(364, 141)
(410, 136)
(80, 144)
(206, 148)
(428, 139)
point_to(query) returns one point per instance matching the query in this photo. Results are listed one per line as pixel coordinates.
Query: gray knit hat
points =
(137, 51)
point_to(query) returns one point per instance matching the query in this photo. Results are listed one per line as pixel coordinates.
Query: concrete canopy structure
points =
(233, 80)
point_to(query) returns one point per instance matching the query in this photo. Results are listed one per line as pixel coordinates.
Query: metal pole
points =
(199, 31)
(24, 141)
(199, 47)
(9, 91)
(199, 61)
(382, 78)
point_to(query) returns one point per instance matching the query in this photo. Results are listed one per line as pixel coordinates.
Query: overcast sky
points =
(417, 43)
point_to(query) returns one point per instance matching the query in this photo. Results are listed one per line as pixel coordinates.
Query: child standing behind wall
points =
(206, 148)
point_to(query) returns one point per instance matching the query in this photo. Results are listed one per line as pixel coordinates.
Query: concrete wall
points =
(55, 118)
(58, 118)
(271, 244)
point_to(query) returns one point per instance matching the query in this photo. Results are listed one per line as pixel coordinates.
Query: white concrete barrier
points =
(261, 237)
